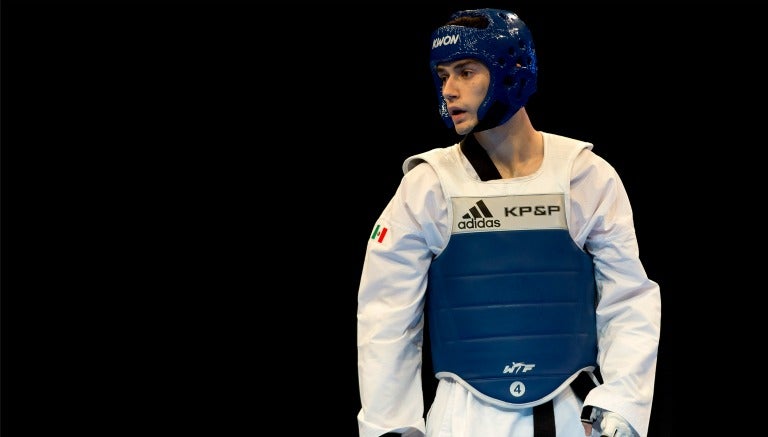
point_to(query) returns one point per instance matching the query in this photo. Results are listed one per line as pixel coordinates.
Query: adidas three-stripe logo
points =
(478, 211)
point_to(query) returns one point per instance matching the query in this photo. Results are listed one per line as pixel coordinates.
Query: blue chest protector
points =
(511, 299)
(512, 313)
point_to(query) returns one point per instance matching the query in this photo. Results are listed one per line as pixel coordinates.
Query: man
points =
(518, 248)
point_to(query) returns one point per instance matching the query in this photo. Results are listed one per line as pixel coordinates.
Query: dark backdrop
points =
(195, 183)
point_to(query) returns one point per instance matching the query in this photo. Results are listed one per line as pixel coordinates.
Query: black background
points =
(188, 189)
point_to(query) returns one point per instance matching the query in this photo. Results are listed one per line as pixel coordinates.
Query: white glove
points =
(610, 424)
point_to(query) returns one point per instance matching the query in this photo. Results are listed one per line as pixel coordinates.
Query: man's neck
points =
(515, 147)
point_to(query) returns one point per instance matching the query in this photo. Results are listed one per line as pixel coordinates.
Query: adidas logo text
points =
(479, 217)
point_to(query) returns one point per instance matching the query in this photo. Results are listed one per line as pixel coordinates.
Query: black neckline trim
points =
(479, 159)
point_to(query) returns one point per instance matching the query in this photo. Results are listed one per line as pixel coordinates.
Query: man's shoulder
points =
(433, 155)
(559, 140)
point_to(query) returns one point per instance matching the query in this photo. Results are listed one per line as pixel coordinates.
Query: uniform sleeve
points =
(629, 303)
(390, 310)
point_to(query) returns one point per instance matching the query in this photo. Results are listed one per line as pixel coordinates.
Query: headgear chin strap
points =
(505, 46)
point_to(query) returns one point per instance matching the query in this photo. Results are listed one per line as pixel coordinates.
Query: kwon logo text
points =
(445, 40)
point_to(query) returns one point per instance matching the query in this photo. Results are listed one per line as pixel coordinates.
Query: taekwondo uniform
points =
(526, 282)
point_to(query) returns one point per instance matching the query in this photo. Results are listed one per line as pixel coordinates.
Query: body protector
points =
(511, 299)
(505, 47)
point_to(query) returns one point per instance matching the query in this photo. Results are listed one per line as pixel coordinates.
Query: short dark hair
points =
(478, 22)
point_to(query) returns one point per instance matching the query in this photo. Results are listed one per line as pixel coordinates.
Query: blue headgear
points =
(505, 47)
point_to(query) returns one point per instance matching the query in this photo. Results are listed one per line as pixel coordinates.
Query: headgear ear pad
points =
(506, 48)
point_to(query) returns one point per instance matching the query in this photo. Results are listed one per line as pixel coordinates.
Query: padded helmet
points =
(505, 46)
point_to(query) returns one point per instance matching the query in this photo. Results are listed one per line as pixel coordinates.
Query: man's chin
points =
(464, 128)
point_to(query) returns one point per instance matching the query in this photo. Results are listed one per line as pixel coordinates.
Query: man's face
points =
(464, 85)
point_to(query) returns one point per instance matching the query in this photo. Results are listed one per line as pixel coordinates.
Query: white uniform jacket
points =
(415, 227)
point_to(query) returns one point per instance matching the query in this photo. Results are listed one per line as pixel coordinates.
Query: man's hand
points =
(608, 424)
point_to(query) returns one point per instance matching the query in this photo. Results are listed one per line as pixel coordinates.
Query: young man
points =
(519, 247)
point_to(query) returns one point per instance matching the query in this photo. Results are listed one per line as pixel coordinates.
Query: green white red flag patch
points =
(378, 233)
